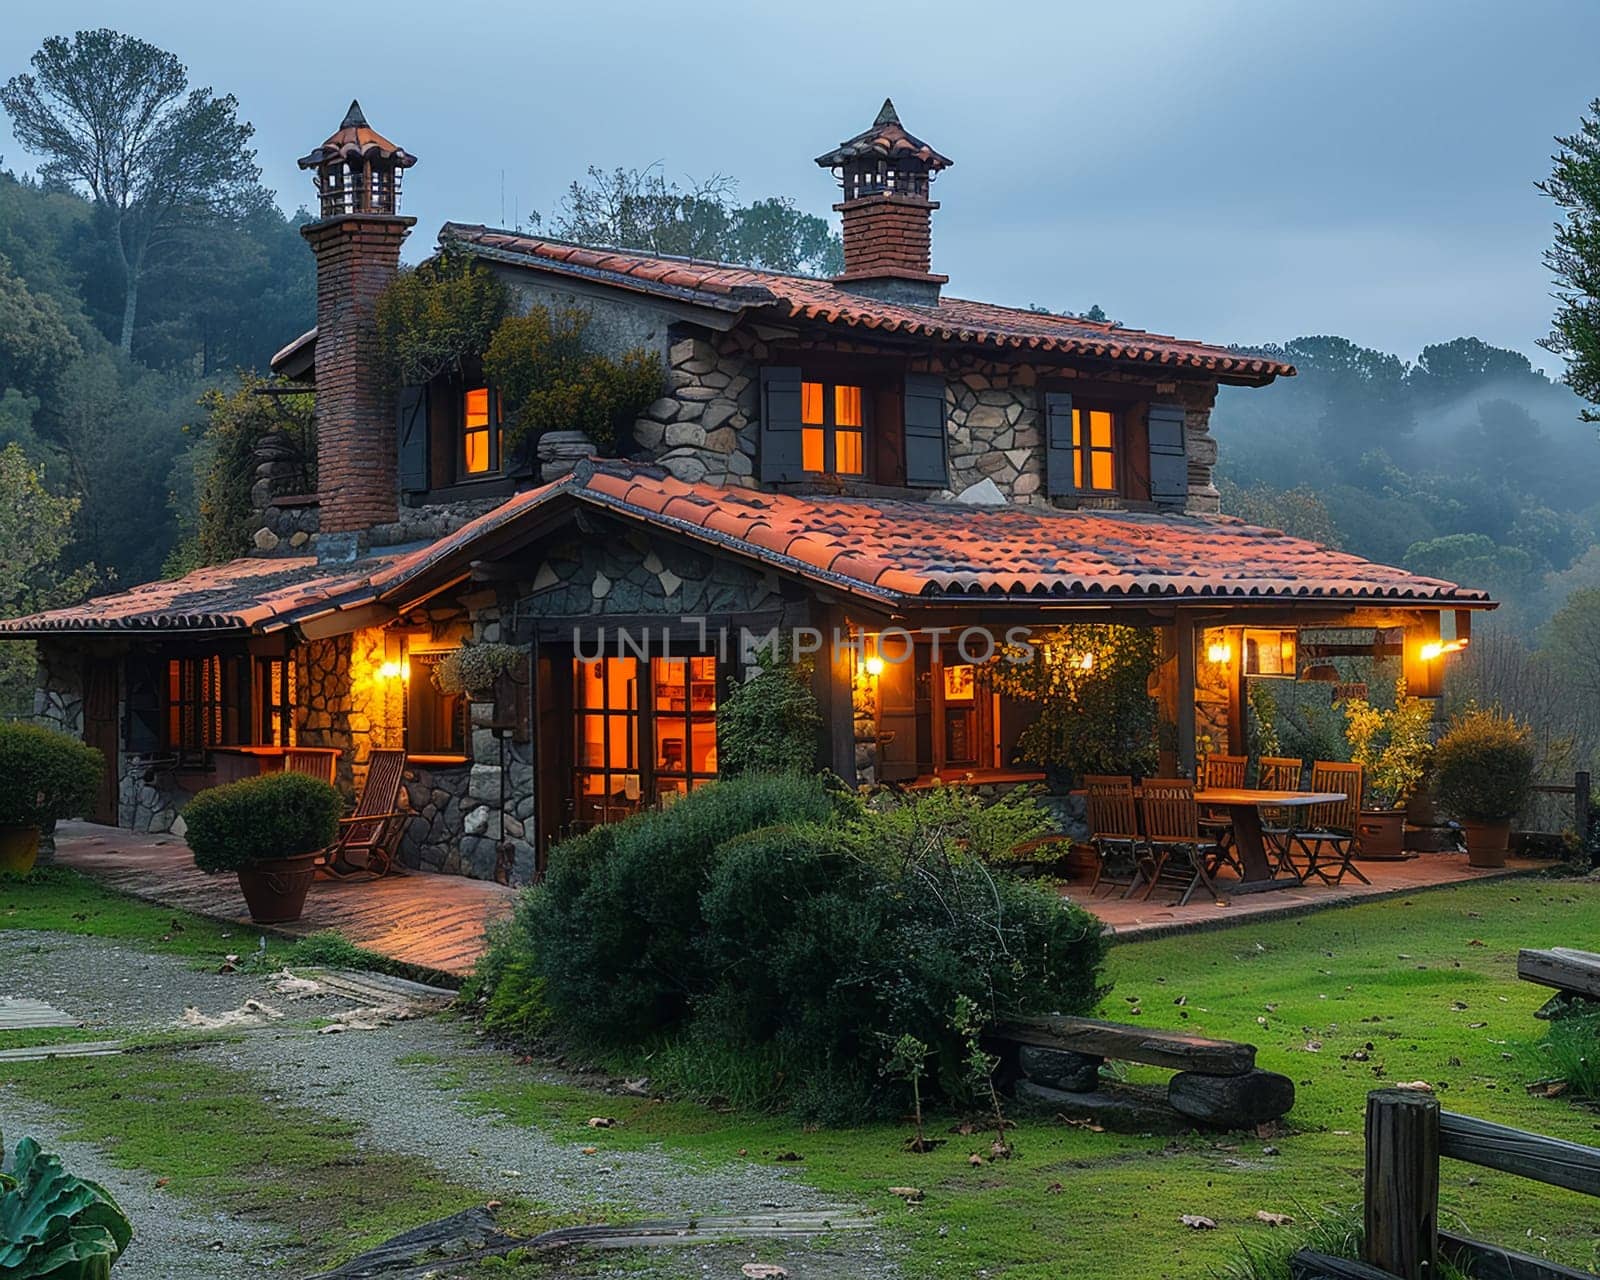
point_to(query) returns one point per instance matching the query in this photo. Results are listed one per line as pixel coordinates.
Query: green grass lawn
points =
(1342, 1001)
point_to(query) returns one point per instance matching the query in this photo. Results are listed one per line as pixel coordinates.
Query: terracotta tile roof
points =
(241, 595)
(903, 552)
(888, 139)
(950, 320)
(355, 140)
(887, 551)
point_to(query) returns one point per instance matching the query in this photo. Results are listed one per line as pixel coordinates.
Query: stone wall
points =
(58, 693)
(342, 703)
(706, 425)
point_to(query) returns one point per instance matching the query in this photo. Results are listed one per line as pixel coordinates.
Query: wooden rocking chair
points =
(315, 764)
(370, 837)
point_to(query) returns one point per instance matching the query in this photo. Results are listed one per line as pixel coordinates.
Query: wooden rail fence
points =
(1407, 1135)
(1580, 792)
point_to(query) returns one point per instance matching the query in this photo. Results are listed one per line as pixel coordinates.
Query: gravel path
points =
(403, 1109)
(173, 1238)
(360, 1075)
(118, 987)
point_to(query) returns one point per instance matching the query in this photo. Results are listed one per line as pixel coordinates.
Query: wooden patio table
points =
(1244, 805)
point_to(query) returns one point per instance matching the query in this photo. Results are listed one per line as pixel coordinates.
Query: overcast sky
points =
(1230, 170)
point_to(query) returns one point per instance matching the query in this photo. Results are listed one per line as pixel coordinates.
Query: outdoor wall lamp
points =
(1219, 651)
(874, 665)
(395, 671)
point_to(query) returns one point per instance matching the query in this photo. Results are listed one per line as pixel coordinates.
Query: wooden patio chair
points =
(370, 837)
(1331, 837)
(1173, 845)
(1215, 824)
(315, 764)
(1278, 773)
(1113, 823)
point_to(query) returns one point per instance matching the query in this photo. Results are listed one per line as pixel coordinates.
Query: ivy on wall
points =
(452, 312)
(551, 381)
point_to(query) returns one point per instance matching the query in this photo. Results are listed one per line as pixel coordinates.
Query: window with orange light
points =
(435, 722)
(481, 432)
(608, 781)
(832, 429)
(1094, 445)
(684, 705)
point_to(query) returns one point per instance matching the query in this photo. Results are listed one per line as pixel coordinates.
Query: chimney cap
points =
(887, 139)
(355, 140)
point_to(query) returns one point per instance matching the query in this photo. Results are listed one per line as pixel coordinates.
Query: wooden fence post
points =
(1580, 808)
(1402, 1185)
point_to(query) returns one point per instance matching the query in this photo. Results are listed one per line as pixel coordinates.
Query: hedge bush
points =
(277, 815)
(1483, 767)
(45, 775)
(770, 722)
(618, 921)
(767, 915)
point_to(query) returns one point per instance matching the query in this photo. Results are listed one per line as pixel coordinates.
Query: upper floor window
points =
(482, 436)
(833, 429)
(1094, 444)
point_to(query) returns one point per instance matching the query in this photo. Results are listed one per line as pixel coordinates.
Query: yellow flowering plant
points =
(1392, 745)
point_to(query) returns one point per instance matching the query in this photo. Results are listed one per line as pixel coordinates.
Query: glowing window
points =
(480, 432)
(833, 429)
(1094, 450)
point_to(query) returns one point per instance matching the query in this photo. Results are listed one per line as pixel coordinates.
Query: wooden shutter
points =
(411, 437)
(1059, 449)
(780, 424)
(1169, 461)
(925, 431)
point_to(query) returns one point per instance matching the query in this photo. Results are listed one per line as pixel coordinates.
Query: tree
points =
(1574, 258)
(35, 528)
(1446, 370)
(1298, 511)
(642, 209)
(111, 114)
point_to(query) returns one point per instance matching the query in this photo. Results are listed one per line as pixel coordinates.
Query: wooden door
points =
(100, 731)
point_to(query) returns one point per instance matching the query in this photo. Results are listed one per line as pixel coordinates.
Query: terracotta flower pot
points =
(1382, 833)
(19, 849)
(275, 891)
(1487, 842)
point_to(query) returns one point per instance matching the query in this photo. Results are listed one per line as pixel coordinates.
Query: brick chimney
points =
(885, 173)
(357, 242)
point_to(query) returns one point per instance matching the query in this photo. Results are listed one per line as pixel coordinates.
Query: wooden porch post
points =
(831, 680)
(1183, 637)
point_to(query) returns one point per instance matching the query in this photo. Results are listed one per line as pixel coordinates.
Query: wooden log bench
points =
(1574, 974)
(1055, 1062)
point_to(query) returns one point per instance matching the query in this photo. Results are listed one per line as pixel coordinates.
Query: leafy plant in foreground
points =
(56, 1225)
(908, 1058)
(968, 1024)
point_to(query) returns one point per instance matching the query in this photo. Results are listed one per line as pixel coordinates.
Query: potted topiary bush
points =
(1483, 776)
(44, 776)
(1393, 747)
(269, 830)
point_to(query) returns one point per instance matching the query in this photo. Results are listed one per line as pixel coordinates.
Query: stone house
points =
(866, 460)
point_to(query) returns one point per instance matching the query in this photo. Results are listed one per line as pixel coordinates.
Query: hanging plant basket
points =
(473, 669)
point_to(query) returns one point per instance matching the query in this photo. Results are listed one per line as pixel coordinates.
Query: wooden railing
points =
(1579, 790)
(1407, 1136)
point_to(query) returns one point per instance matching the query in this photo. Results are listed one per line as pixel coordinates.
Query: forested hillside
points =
(1467, 464)
(218, 295)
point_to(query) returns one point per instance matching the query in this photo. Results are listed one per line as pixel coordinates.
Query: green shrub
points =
(277, 815)
(796, 933)
(552, 380)
(436, 317)
(770, 722)
(46, 775)
(617, 920)
(1483, 767)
